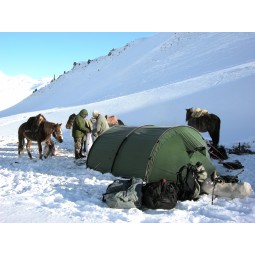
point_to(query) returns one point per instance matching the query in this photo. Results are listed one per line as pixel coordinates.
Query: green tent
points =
(148, 152)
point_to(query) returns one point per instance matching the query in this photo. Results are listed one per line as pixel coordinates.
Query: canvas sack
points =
(124, 194)
(227, 189)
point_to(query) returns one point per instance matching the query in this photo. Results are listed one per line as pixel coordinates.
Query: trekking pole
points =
(213, 192)
(215, 181)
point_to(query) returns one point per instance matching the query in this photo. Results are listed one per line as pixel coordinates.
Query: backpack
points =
(159, 195)
(189, 181)
(124, 194)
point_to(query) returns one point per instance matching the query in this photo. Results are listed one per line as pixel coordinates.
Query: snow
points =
(148, 81)
(19, 87)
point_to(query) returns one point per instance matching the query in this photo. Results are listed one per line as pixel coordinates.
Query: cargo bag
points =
(124, 194)
(159, 195)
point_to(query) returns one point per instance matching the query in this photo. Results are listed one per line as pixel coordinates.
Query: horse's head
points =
(188, 113)
(57, 133)
(70, 121)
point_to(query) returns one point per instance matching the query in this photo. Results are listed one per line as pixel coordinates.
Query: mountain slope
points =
(19, 87)
(156, 78)
(144, 64)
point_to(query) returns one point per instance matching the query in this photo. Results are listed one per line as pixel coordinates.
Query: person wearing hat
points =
(79, 132)
(101, 124)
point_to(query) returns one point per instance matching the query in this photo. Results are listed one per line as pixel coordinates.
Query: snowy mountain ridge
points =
(19, 87)
(145, 64)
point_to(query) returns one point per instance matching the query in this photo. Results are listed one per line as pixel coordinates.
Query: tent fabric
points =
(148, 152)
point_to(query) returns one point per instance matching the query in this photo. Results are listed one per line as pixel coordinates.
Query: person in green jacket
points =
(101, 124)
(79, 132)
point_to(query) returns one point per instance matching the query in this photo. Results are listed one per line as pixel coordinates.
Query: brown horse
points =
(70, 121)
(41, 134)
(205, 123)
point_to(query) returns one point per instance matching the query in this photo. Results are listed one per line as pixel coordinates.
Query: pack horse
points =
(38, 129)
(204, 122)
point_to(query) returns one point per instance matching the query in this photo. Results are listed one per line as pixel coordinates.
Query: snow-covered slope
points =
(14, 89)
(157, 78)
(163, 59)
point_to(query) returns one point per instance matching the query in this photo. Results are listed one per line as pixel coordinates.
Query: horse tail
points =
(21, 141)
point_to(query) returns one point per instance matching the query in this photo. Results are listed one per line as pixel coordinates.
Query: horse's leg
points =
(216, 133)
(215, 137)
(20, 150)
(21, 144)
(213, 128)
(212, 136)
(40, 149)
(28, 148)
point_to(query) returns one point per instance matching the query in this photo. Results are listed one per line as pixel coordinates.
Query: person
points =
(49, 149)
(79, 132)
(101, 124)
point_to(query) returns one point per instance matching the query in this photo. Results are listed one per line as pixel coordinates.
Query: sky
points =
(158, 78)
(45, 54)
(89, 32)
(140, 16)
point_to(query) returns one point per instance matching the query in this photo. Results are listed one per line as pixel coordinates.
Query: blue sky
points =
(45, 54)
